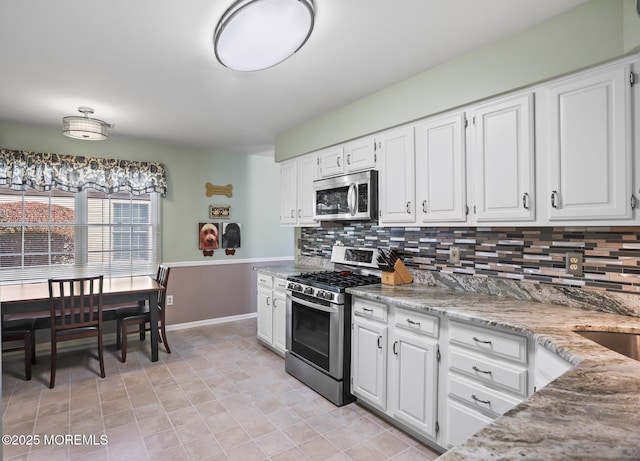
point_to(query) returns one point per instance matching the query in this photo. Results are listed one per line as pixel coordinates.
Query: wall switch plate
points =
(454, 255)
(574, 263)
(169, 300)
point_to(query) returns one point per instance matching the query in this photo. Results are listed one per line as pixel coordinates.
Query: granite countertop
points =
(286, 270)
(590, 412)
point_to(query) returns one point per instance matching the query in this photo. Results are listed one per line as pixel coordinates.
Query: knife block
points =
(399, 276)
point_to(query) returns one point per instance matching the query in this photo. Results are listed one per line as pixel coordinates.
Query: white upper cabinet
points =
(288, 191)
(397, 175)
(502, 160)
(307, 173)
(331, 161)
(360, 154)
(296, 190)
(589, 147)
(440, 169)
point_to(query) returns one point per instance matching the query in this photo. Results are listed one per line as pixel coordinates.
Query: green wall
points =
(592, 33)
(254, 204)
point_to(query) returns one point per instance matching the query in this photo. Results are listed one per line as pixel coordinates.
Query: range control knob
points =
(308, 291)
(295, 287)
(325, 295)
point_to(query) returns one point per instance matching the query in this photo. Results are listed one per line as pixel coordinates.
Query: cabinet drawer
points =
(280, 284)
(463, 422)
(265, 280)
(417, 322)
(480, 397)
(485, 370)
(370, 309)
(489, 341)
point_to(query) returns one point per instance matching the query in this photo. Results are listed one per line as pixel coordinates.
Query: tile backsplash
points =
(536, 254)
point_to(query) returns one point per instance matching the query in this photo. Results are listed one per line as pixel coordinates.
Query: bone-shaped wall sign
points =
(219, 190)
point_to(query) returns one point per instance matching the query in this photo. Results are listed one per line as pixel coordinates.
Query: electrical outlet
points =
(574, 263)
(454, 255)
(169, 300)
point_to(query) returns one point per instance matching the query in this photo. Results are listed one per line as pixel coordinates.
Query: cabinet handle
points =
(395, 347)
(268, 300)
(299, 213)
(338, 160)
(634, 202)
(409, 207)
(415, 324)
(379, 342)
(477, 340)
(554, 197)
(293, 214)
(366, 309)
(525, 201)
(348, 159)
(478, 370)
(424, 206)
(274, 302)
(486, 402)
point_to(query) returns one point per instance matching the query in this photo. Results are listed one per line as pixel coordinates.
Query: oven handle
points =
(331, 309)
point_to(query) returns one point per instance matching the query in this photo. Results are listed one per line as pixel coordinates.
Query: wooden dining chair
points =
(142, 318)
(22, 332)
(76, 313)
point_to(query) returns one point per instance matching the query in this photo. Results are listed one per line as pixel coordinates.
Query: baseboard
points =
(201, 323)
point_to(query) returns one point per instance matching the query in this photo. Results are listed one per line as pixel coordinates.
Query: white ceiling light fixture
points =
(79, 127)
(258, 34)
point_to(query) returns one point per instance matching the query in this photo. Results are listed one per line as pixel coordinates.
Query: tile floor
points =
(219, 396)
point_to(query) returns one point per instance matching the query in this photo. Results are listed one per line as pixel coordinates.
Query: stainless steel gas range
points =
(319, 322)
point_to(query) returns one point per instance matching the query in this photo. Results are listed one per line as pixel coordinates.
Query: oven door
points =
(315, 333)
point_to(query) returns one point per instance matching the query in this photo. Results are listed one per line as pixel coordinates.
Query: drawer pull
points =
(478, 370)
(412, 323)
(366, 309)
(478, 340)
(486, 402)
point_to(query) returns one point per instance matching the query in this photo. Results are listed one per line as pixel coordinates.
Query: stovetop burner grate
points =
(333, 280)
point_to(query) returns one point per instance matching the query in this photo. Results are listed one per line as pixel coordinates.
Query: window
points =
(55, 233)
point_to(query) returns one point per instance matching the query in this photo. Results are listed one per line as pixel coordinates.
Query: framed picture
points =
(231, 235)
(219, 211)
(208, 235)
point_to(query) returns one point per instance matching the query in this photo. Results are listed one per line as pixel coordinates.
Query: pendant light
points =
(258, 34)
(87, 128)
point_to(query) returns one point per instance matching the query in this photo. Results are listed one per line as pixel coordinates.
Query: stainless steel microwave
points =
(350, 197)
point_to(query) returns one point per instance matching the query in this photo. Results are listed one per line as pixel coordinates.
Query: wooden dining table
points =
(34, 297)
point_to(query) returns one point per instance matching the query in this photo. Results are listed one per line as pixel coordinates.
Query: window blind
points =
(59, 234)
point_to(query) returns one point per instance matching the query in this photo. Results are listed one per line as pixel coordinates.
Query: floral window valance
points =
(45, 171)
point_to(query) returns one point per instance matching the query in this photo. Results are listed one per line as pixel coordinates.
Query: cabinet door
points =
(331, 161)
(307, 173)
(288, 189)
(397, 175)
(279, 319)
(440, 169)
(415, 375)
(369, 362)
(265, 315)
(503, 160)
(360, 154)
(590, 146)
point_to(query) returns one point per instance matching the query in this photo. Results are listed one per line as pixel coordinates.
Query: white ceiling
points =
(148, 66)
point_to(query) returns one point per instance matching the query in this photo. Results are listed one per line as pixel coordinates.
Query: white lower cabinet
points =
(415, 378)
(487, 376)
(369, 354)
(395, 364)
(271, 310)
